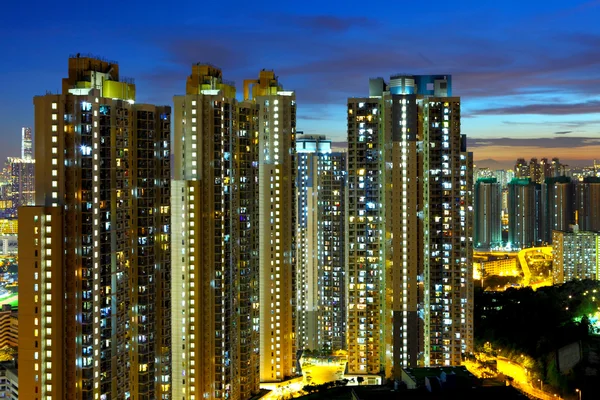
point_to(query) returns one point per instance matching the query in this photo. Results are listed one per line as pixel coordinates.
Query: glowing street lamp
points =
(579, 393)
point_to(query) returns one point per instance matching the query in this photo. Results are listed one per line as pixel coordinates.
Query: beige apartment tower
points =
(409, 277)
(95, 250)
(231, 184)
(277, 226)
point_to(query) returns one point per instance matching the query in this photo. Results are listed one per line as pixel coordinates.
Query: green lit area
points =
(9, 285)
(593, 320)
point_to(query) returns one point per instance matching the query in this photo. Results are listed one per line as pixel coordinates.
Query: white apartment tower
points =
(321, 305)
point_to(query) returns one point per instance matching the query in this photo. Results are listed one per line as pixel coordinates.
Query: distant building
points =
(8, 236)
(26, 144)
(484, 173)
(9, 327)
(556, 206)
(487, 210)
(524, 200)
(9, 381)
(488, 265)
(575, 255)
(504, 176)
(587, 203)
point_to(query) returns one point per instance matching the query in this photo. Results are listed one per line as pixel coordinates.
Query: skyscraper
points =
(524, 208)
(95, 317)
(233, 241)
(487, 207)
(409, 227)
(215, 241)
(26, 144)
(277, 224)
(321, 305)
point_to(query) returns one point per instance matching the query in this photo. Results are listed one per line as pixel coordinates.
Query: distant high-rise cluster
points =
(542, 197)
(535, 210)
(539, 171)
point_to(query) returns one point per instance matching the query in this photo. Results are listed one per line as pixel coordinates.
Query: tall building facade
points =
(488, 212)
(409, 227)
(557, 206)
(576, 255)
(277, 224)
(321, 250)
(524, 208)
(233, 242)
(94, 252)
(587, 203)
(215, 241)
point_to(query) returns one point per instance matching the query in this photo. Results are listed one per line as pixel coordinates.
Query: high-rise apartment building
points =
(409, 227)
(277, 224)
(215, 241)
(233, 242)
(94, 252)
(587, 203)
(576, 255)
(557, 206)
(26, 144)
(524, 209)
(487, 209)
(321, 305)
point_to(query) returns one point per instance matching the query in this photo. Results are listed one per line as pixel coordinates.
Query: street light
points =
(579, 393)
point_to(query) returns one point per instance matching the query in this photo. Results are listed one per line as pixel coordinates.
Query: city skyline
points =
(536, 80)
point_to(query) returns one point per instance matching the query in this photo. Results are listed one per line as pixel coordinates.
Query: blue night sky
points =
(528, 71)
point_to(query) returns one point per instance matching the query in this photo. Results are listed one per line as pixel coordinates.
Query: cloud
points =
(314, 117)
(562, 132)
(331, 23)
(565, 124)
(325, 60)
(542, 142)
(588, 107)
